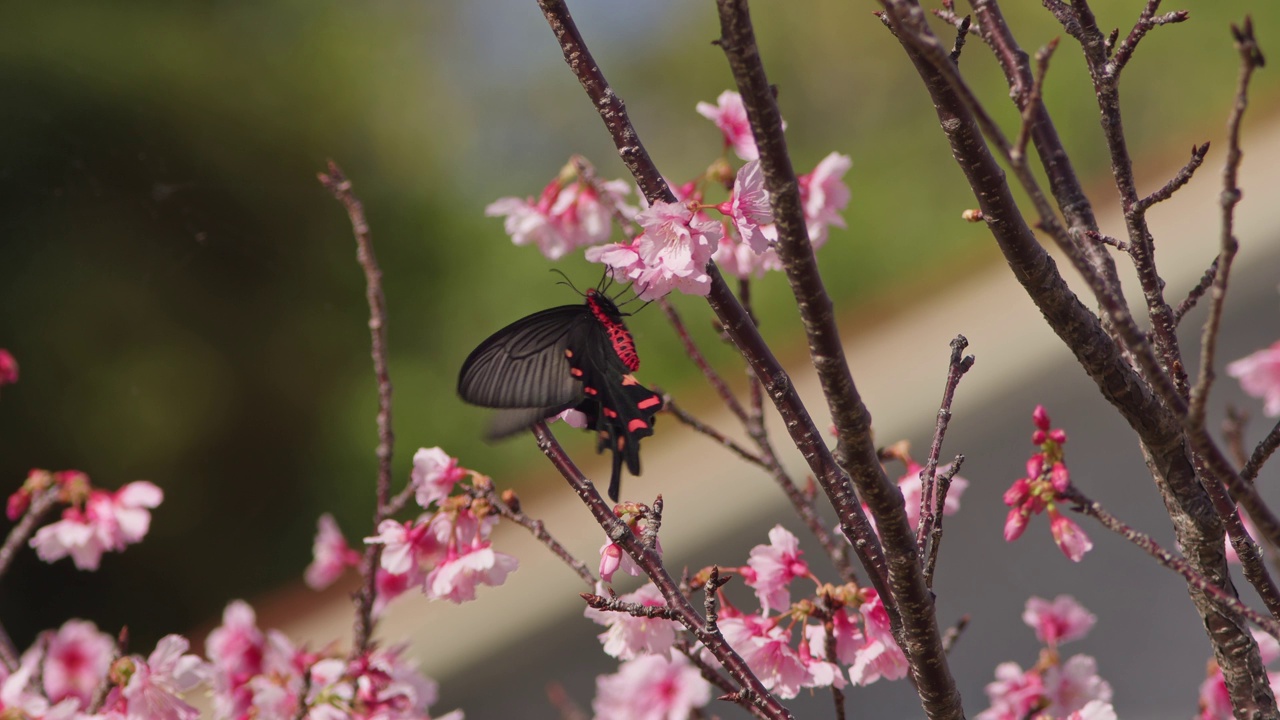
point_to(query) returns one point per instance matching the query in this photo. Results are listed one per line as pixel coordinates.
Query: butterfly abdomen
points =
(606, 313)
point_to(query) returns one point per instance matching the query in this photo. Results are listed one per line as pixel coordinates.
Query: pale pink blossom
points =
(1268, 646)
(1094, 710)
(671, 254)
(739, 260)
(911, 486)
(773, 567)
(1069, 536)
(730, 116)
(1215, 699)
(389, 586)
(846, 631)
(880, 657)
(434, 475)
(412, 547)
(8, 368)
(1014, 694)
(1259, 376)
(77, 658)
(564, 217)
(651, 687)
(235, 650)
(388, 686)
(456, 577)
(824, 196)
(330, 555)
(109, 521)
(1057, 622)
(767, 650)
(155, 688)
(1070, 686)
(628, 636)
(749, 207)
(20, 696)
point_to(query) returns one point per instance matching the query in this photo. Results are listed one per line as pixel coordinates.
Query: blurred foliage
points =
(183, 296)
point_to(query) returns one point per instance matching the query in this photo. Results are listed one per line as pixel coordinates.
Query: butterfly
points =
(577, 357)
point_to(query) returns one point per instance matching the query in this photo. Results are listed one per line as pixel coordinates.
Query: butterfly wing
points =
(524, 365)
(620, 409)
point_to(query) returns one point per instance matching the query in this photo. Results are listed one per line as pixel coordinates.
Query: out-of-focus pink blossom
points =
(911, 486)
(20, 696)
(629, 637)
(767, 650)
(330, 555)
(564, 217)
(108, 521)
(1069, 536)
(389, 586)
(824, 196)
(1040, 418)
(880, 657)
(730, 116)
(412, 547)
(1094, 710)
(1215, 699)
(156, 685)
(847, 633)
(1014, 694)
(456, 577)
(671, 254)
(434, 475)
(739, 260)
(1059, 621)
(1071, 685)
(8, 368)
(235, 650)
(651, 687)
(773, 567)
(1259, 376)
(77, 658)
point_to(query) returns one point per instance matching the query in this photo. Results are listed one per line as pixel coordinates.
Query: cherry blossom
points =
(911, 486)
(469, 560)
(236, 651)
(739, 260)
(155, 686)
(651, 687)
(767, 650)
(20, 696)
(880, 657)
(1094, 710)
(1071, 685)
(8, 368)
(565, 216)
(331, 556)
(630, 637)
(108, 521)
(824, 196)
(1070, 538)
(846, 631)
(412, 547)
(77, 658)
(749, 209)
(730, 116)
(1259, 376)
(772, 568)
(1014, 694)
(1057, 622)
(434, 475)
(671, 254)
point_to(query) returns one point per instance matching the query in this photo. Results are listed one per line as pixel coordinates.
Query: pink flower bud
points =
(1040, 417)
(1060, 478)
(1070, 538)
(18, 503)
(1035, 466)
(8, 368)
(1014, 524)
(1017, 493)
(610, 561)
(1038, 437)
(1058, 435)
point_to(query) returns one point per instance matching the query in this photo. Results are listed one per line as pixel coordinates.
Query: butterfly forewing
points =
(524, 364)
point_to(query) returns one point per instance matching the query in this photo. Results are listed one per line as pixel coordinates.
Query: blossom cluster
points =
(445, 551)
(669, 245)
(94, 522)
(1052, 688)
(1046, 481)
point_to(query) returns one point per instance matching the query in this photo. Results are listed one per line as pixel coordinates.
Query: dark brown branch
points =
(1146, 21)
(340, 186)
(919, 635)
(752, 692)
(1043, 55)
(1246, 549)
(956, 368)
(1183, 177)
(935, 537)
(962, 34)
(1206, 281)
(42, 502)
(669, 405)
(1260, 455)
(539, 531)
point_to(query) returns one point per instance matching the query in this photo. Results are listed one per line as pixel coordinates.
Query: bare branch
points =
(1183, 177)
(669, 405)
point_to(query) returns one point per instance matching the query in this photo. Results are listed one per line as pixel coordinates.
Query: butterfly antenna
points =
(566, 281)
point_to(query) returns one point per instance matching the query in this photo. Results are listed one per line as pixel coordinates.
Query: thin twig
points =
(41, 504)
(1225, 600)
(1261, 454)
(1043, 55)
(1146, 21)
(1183, 177)
(956, 368)
(338, 184)
(695, 354)
(1206, 281)
(935, 539)
(669, 405)
(652, 524)
(539, 531)
(562, 702)
(953, 633)
(962, 34)
(8, 652)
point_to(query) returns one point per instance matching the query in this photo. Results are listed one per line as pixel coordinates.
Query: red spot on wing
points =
(636, 424)
(609, 413)
(649, 402)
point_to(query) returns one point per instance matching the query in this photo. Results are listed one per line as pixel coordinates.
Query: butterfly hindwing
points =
(619, 409)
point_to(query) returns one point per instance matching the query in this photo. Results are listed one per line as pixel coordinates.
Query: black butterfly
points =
(570, 357)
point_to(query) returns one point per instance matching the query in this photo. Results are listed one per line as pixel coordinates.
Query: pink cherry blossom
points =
(1259, 376)
(730, 116)
(630, 637)
(434, 475)
(236, 651)
(824, 196)
(1057, 622)
(331, 556)
(847, 633)
(651, 687)
(880, 657)
(108, 521)
(671, 254)
(1014, 694)
(767, 650)
(1070, 686)
(739, 260)
(456, 577)
(1215, 699)
(389, 686)
(413, 547)
(1069, 537)
(564, 217)
(77, 658)
(1094, 710)
(8, 368)
(20, 696)
(156, 685)
(773, 567)
(389, 586)
(749, 208)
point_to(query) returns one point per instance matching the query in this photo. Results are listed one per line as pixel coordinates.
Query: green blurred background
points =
(183, 297)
